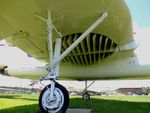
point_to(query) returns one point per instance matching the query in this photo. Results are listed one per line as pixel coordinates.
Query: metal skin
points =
(76, 26)
(20, 26)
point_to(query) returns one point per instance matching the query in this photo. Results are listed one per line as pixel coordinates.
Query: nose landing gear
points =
(54, 98)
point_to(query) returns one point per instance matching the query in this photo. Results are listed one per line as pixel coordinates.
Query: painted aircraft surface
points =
(79, 40)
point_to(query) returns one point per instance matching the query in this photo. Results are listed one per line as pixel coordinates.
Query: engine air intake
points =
(93, 48)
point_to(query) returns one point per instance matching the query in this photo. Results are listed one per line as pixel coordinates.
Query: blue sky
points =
(140, 10)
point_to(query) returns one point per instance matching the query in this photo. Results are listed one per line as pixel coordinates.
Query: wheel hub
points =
(53, 105)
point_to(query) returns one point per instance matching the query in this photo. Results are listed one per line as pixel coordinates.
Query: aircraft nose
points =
(2, 71)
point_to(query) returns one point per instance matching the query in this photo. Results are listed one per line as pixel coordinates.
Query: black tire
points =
(66, 99)
(86, 96)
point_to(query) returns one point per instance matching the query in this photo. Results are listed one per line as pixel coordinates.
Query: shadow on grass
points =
(22, 109)
(17, 97)
(98, 106)
(10, 96)
(111, 106)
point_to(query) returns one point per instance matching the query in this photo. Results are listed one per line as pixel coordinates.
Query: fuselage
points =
(70, 17)
(95, 57)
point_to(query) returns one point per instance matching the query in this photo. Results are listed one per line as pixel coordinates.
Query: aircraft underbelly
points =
(20, 26)
(69, 16)
(120, 66)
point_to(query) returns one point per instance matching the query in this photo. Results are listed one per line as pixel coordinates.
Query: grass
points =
(99, 104)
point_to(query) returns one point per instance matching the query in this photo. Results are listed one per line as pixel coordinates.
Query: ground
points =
(11, 103)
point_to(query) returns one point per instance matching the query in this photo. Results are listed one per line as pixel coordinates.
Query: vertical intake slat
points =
(66, 46)
(100, 44)
(69, 41)
(105, 48)
(74, 50)
(79, 51)
(84, 49)
(89, 49)
(93, 48)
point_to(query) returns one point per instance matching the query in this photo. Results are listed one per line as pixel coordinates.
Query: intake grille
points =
(93, 48)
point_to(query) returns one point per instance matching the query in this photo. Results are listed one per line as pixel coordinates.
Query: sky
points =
(16, 58)
(140, 11)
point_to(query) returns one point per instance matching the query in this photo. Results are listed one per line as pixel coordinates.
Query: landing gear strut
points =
(86, 95)
(54, 98)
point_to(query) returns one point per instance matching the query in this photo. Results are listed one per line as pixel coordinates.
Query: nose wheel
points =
(58, 104)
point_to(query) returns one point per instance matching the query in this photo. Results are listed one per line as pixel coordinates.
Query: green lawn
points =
(99, 104)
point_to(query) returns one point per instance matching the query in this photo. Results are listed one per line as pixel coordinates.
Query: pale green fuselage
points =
(97, 57)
